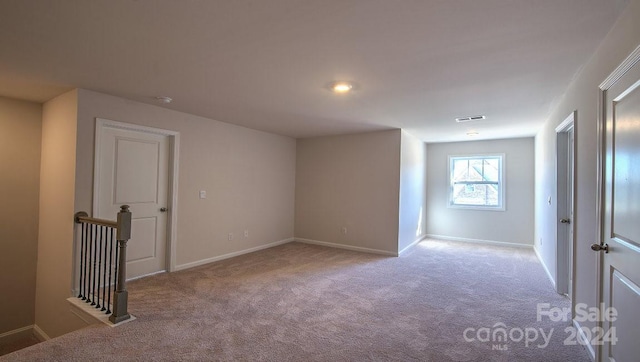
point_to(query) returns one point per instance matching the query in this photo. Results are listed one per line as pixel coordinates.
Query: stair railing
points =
(103, 263)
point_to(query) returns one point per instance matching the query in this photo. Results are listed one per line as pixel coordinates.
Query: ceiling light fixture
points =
(341, 87)
(164, 100)
(470, 118)
(472, 133)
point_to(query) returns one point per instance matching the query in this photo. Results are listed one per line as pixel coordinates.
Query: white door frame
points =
(604, 87)
(565, 204)
(174, 147)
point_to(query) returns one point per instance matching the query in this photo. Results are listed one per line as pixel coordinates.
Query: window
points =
(476, 182)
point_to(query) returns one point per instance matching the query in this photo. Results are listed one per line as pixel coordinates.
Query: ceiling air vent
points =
(470, 118)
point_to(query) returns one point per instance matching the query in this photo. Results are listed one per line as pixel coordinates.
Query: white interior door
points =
(565, 193)
(570, 201)
(132, 168)
(620, 267)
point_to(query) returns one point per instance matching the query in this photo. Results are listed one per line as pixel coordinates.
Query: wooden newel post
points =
(121, 295)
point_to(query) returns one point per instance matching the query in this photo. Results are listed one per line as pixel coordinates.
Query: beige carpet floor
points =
(299, 302)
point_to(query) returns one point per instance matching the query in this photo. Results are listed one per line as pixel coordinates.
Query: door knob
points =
(163, 209)
(598, 247)
(565, 221)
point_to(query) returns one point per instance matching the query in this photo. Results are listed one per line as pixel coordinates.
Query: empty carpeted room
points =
(320, 180)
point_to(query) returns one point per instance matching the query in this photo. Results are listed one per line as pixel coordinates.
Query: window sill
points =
(477, 208)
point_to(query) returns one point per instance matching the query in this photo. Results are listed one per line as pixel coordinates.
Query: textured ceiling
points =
(265, 64)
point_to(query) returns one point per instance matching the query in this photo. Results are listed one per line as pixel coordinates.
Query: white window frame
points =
(501, 182)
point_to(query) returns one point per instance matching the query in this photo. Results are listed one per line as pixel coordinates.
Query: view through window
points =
(476, 182)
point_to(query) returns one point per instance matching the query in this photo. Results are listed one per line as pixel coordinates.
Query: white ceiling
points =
(265, 64)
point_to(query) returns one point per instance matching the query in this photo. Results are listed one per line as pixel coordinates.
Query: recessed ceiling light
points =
(341, 87)
(472, 133)
(164, 100)
(470, 118)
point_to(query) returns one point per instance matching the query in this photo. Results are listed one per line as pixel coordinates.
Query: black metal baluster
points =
(104, 270)
(87, 264)
(110, 268)
(81, 281)
(87, 235)
(92, 234)
(99, 263)
(93, 267)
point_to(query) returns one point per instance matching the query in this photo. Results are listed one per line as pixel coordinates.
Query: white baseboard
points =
(583, 337)
(479, 241)
(546, 270)
(91, 315)
(418, 240)
(40, 334)
(194, 264)
(347, 247)
(16, 334)
(138, 277)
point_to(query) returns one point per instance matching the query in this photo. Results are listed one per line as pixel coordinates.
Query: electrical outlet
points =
(246, 233)
(203, 194)
(344, 230)
(230, 236)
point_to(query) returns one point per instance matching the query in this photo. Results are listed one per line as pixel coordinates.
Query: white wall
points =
(55, 237)
(249, 176)
(545, 213)
(413, 193)
(20, 132)
(581, 95)
(349, 181)
(514, 225)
